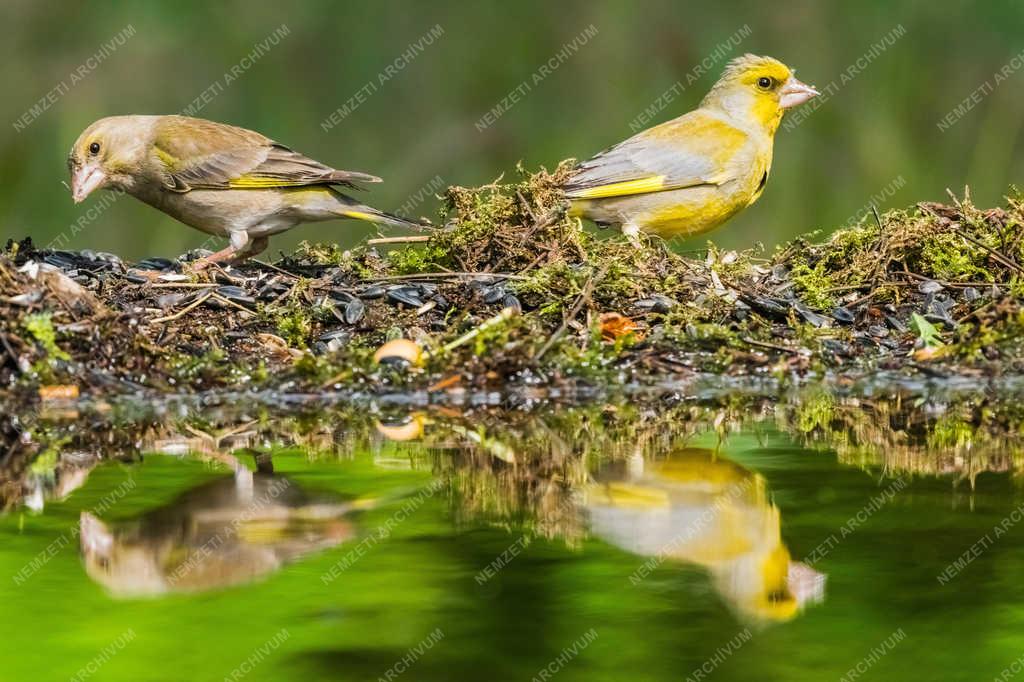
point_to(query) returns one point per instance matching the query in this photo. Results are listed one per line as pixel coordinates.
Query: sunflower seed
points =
(372, 292)
(406, 295)
(354, 311)
(843, 315)
(236, 294)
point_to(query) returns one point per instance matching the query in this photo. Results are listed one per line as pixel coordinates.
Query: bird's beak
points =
(795, 93)
(84, 180)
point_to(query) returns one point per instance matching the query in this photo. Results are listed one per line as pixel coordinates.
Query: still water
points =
(577, 544)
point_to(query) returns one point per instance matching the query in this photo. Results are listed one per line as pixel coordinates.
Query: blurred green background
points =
(879, 130)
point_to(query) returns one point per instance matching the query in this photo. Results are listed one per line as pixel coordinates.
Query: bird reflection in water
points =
(699, 508)
(688, 505)
(230, 531)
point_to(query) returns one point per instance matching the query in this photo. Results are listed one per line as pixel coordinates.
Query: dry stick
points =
(446, 275)
(772, 346)
(398, 240)
(505, 314)
(228, 301)
(191, 306)
(10, 351)
(274, 267)
(994, 253)
(184, 285)
(975, 312)
(581, 300)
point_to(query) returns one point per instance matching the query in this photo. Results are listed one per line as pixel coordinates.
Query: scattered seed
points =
(354, 311)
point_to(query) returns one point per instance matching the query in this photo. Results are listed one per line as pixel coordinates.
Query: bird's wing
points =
(198, 154)
(689, 151)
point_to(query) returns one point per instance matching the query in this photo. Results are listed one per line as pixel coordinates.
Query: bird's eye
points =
(94, 148)
(764, 82)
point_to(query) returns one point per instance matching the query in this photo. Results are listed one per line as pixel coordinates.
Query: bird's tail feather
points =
(350, 208)
(374, 215)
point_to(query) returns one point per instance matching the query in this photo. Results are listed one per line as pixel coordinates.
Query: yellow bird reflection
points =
(695, 507)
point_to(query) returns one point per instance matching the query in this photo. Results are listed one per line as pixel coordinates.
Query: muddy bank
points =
(510, 292)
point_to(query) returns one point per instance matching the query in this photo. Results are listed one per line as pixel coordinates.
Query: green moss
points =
(414, 259)
(40, 326)
(814, 285)
(294, 325)
(949, 257)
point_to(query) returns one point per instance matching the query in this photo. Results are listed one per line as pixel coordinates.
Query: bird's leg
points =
(632, 233)
(238, 248)
(225, 254)
(252, 249)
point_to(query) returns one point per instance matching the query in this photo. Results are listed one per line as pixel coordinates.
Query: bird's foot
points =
(226, 255)
(632, 234)
(143, 276)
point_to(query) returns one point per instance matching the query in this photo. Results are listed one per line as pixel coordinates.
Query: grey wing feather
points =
(646, 155)
(271, 162)
(284, 164)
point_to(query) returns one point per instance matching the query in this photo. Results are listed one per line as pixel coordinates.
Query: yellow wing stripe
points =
(654, 183)
(256, 182)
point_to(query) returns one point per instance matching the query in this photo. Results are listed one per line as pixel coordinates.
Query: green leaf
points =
(926, 331)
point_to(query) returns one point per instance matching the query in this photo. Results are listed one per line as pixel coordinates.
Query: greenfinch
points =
(691, 174)
(220, 179)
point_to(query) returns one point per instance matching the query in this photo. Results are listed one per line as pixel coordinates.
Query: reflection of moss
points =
(901, 437)
(815, 411)
(950, 431)
(46, 463)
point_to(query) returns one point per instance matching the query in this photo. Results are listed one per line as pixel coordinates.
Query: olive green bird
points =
(220, 179)
(691, 174)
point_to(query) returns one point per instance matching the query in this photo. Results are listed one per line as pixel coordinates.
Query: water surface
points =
(583, 544)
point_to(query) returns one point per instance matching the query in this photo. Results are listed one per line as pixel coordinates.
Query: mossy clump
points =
(511, 288)
(40, 326)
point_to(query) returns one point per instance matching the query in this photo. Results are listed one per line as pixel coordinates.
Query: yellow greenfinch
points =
(691, 174)
(220, 179)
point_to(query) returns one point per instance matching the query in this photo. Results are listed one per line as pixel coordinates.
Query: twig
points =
(447, 275)
(581, 300)
(228, 301)
(184, 285)
(191, 306)
(410, 239)
(10, 351)
(505, 314)
(1013, 265)
(772, 346)
(274, 267)
(975, 312)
